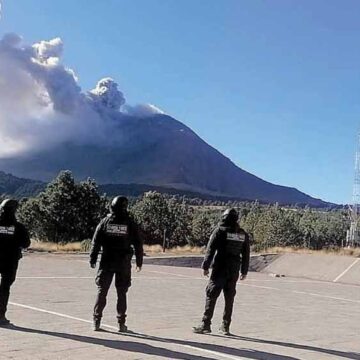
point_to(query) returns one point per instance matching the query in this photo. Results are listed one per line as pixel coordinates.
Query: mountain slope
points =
(18, 187)
(159, 151)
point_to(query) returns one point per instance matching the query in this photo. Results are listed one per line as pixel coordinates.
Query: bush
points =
(85, 245)
(203, 223)
(158, 215)
(69, 211)
(65, 211)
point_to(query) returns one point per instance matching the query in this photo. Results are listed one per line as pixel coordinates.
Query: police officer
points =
(13, 238)
(117, 235)
(229, 251)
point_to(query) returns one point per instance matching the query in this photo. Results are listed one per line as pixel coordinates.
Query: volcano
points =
(159, 151)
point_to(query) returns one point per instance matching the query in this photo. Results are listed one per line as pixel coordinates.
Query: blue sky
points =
(274, 85)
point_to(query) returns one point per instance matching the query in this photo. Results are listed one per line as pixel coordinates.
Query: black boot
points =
(202, 329)
(123, 328)
(96, 324)
(225, 328)
(4, 321)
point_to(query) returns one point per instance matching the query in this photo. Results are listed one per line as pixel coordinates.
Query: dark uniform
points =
(13, 238)
(228, 251)
(117, 236)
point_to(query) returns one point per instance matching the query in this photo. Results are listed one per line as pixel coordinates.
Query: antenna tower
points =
(353, 234)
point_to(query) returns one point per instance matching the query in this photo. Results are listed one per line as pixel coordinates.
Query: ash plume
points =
(143, 110)
(42, 103)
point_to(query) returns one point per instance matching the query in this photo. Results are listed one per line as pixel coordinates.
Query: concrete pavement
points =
(274, 318)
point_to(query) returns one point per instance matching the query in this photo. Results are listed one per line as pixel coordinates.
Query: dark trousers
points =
(122, 283)
(218, 283)
(8, 276)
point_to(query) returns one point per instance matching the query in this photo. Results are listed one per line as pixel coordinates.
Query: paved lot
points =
(274, 318)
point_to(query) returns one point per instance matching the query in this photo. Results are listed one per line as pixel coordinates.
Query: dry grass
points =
(178, 250)
(344, 251)
(189, 250)
(52, 247)
(148, 249)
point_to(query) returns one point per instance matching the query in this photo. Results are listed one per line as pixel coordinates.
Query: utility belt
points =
(117, 253)
(10, 255)
(9, 262)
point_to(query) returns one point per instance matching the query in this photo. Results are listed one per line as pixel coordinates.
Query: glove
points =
(93, 265)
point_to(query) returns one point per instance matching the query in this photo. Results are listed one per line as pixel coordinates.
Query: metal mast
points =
(353, 234)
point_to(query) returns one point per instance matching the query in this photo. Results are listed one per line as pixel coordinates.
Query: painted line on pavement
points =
(346, 270)
(225, 356)
(84, 277)
(170, 273)
(56, 314)
(222, 355)
(326, 296)
(54, 277)
(260, 287)
(241, 283)
(281, 280)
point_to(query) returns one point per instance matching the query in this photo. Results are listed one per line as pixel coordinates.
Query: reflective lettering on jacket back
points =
(116, 230)
(234, 243)
(7, 230)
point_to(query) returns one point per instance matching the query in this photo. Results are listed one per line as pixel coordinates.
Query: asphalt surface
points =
(274, 318)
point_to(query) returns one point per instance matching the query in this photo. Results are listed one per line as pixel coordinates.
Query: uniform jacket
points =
(228, 249)
(117, 237)
(13, 238)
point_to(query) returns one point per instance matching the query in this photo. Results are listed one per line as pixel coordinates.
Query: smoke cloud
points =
(143, 110)
(42, 104)
(106, 94)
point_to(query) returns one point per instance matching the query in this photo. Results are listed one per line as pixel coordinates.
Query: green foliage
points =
(158, 214)
(18, 187)
(65, 211)
(69, 211)
(85, 245)
(276, 226)
(203, 223)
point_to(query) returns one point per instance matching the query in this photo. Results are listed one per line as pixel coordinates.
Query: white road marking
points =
(55, 277)
(346, 270)
(281, 280)
(326, 296)
(92, 277)
(259, 286)
(222, 355)
(56, 314)
(242, 283)
(232, 357)
(170, 273)
(182, 277)
(247, 280)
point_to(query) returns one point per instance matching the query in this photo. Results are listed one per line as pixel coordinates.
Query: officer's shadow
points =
(343, 354)
(250, 354)
(144, 348)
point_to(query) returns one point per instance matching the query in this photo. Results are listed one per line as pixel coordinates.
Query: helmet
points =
(230, 216)
(9, 206)
(119, 204)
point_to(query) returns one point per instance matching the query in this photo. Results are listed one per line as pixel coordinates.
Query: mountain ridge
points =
(157, 151)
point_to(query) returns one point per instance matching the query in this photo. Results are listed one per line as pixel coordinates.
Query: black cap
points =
(230, 216)
(119, 204)
(9, 205)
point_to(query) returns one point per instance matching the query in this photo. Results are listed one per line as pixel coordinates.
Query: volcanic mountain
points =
(156, 150)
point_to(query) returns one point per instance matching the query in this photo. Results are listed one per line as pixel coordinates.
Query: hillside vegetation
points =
(67, 211)
(19, 187)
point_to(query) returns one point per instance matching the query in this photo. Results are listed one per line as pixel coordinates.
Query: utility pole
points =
(353, 234)
(164, 240)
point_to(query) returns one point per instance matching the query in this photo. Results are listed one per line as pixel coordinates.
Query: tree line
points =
(68, 211)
